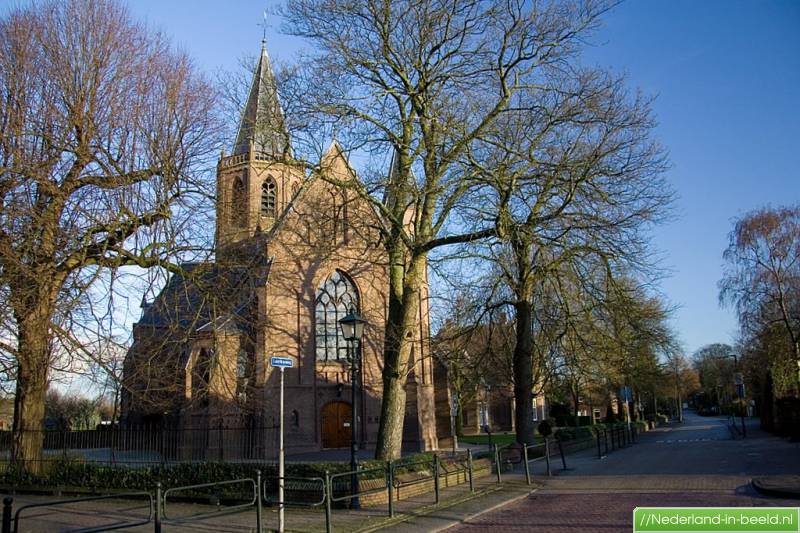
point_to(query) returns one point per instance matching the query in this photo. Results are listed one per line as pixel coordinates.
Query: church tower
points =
(258, 180)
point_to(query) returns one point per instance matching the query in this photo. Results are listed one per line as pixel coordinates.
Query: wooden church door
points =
(336, 425)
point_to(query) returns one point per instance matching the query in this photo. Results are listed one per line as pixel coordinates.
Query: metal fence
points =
(132, 446)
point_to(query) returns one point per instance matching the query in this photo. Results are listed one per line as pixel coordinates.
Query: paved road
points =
(696, 463)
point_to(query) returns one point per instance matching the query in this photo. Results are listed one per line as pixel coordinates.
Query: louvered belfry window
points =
(268, 198)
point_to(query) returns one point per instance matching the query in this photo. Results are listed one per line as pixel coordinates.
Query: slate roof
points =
(209, 298)
(262, 121)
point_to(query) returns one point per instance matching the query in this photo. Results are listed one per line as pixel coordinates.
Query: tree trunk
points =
(523, 372)
(401, 329)
(34, 362)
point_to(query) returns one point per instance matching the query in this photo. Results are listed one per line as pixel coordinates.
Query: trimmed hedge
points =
(96, 477)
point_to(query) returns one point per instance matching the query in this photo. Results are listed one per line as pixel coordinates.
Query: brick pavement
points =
(599, 512)
(694, 464)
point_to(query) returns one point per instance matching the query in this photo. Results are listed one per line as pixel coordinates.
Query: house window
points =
(268, 198)
(239, 203)
(535, 410)
(335, 298)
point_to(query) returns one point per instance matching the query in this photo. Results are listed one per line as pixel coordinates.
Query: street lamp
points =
(739, 391)
(739, 388)
(352, 329)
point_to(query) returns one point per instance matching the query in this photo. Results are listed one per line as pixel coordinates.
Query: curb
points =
(791, 493)
(487, 510)
(447, 504)
(424, 511)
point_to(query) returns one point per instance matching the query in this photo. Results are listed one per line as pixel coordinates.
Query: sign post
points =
(282, 363)
(627, 397)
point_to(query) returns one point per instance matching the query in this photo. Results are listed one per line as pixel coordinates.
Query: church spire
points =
(262, 123)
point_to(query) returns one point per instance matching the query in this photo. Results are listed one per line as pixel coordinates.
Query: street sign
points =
(281, 362)
(625, 393)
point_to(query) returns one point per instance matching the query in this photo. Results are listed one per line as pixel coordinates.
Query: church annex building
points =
(294, 254)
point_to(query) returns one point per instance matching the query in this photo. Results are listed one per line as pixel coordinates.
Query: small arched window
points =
(335, 298)
(268, 198)
(239, 203)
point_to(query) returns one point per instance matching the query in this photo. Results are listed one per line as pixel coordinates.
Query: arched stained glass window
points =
(268, 198)
(239, 203)
(335, 298)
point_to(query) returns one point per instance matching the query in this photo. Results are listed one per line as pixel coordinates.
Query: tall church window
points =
(268, 198)
(239, 203)
(335, 298)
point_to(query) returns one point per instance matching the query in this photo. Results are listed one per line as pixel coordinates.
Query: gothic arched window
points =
(268, 198)
(239, 203)
(335, 298)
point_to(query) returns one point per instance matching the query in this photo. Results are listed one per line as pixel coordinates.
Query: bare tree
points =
(423, 81)
(762, 276)
(105, 131)
(573, 180)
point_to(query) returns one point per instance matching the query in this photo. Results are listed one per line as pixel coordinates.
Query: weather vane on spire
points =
(264, 27)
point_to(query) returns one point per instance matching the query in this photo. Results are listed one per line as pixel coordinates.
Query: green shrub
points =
(95, 477)
(574, 433)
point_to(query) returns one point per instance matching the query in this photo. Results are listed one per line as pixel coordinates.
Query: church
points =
(295, 250)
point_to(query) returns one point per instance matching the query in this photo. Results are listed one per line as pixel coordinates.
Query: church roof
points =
(208, 296)
(262, 122)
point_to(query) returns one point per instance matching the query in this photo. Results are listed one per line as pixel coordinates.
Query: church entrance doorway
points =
(336, 425)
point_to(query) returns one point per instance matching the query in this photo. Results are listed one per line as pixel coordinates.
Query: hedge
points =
(96, 477)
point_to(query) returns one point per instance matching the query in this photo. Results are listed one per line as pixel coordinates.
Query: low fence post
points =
(497, 463)
(390, 486)
(599, 452)
(469, 470)
(525, 460)
(547, 455)
(259, 517)
(561, 451)
(157, 520)
(328, 495)
(8, 501)
(436, 478)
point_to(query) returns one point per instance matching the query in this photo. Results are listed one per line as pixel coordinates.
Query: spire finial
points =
(264, 26)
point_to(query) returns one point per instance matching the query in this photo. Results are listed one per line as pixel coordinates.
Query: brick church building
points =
(294, 254)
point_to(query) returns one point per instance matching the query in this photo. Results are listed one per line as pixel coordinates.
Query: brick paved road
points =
(694, 464)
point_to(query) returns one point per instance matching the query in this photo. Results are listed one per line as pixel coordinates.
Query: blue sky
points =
(726, 76)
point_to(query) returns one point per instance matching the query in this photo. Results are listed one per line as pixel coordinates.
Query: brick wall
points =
(407, 486)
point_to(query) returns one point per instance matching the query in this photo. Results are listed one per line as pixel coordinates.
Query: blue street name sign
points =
(281, 362)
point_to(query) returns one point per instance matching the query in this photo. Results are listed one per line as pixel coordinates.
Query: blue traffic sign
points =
(281, 362)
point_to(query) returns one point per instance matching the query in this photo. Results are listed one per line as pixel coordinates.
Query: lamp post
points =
(739, 391)
(738, 381)
(352, 329)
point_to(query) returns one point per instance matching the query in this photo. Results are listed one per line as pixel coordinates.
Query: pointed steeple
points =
(262, 123)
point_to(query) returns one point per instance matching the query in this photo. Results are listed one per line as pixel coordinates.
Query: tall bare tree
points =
(423, 80)
(573, 180)
(104, 130)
